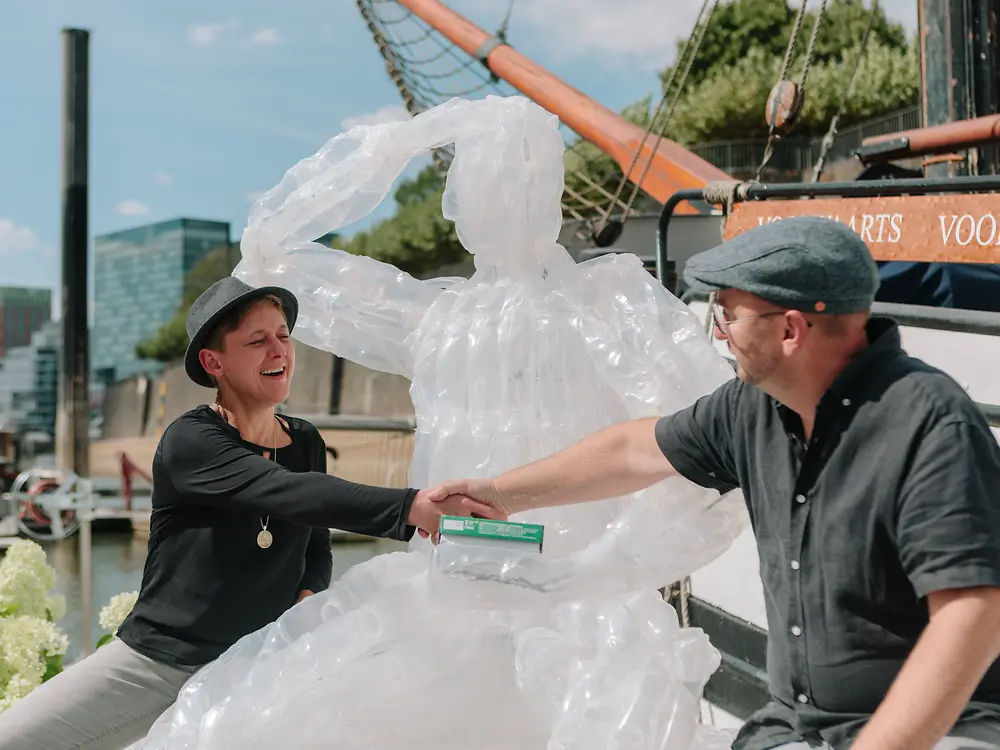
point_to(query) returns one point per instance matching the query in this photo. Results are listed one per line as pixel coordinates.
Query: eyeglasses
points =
(723, 323)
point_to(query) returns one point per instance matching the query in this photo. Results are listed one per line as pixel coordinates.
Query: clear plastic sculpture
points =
(572, 649)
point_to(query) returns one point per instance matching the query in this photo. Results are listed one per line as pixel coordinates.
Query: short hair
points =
(234, 317)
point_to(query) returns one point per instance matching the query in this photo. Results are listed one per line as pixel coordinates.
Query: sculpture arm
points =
(354, 306)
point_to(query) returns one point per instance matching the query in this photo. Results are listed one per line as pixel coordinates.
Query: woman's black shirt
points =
(206, 582)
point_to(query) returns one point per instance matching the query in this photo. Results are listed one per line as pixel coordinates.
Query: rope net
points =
(428, 70)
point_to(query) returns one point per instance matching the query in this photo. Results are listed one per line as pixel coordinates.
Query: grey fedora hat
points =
(213, 304)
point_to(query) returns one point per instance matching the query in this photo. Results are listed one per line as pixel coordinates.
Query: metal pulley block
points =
(784, 104)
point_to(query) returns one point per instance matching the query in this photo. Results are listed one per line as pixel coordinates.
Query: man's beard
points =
(754, 366)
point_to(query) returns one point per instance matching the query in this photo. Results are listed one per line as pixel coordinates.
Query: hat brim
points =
(192, 362)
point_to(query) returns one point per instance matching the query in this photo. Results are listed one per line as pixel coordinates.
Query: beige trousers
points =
(107, 701)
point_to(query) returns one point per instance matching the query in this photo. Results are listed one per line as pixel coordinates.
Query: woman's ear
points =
(210, 361)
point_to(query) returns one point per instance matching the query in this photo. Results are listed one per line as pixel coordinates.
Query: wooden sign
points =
(956, 228)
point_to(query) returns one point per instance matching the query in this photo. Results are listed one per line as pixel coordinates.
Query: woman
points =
(242, 507)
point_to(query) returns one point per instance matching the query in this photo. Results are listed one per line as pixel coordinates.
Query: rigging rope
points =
(427, 70)
(690, 52)
(772, 133)
(831, 133)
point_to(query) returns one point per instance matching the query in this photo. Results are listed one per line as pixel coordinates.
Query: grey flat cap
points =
(804, 263)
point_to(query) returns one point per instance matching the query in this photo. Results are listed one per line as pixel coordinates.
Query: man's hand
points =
(303, 594)
(484, 491)
(429, 505)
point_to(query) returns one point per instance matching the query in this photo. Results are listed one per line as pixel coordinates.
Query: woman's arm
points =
(200, 463)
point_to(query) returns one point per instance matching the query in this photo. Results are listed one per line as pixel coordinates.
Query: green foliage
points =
(53, 666)
(740, 26)
(730, 104)
(170, 341)
(417, 238)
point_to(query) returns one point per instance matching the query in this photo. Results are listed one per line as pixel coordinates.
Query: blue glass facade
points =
(29, 384)
(138, 285)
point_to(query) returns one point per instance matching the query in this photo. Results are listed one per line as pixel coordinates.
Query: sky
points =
(197, 108)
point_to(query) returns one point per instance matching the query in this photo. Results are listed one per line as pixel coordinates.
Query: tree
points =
(417, 238)
(170, 341)
(741, 26)
(730, 103)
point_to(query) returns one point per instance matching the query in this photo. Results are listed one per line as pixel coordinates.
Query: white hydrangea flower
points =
(57, 606)
(26, 642)
(25, 580)
(18, 687)
(115, 611)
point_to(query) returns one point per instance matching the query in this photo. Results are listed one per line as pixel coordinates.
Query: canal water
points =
(117, 566)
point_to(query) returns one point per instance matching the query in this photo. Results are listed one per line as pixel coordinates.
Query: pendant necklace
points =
(264, 538)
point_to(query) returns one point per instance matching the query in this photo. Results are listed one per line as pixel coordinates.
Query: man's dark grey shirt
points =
(896, 495)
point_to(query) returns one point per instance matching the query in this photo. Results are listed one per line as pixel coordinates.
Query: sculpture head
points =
(505, 184)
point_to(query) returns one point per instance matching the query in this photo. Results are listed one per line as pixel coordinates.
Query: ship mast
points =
(670, 166)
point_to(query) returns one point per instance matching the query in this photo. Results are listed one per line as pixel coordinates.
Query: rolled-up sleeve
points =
(698, 440)
(948, 517)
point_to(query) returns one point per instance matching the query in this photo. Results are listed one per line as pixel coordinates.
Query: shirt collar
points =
(884, 343)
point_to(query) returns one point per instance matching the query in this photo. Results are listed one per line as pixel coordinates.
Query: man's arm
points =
(617, 460)
(948, 527)
(695, 443)
(942, 672)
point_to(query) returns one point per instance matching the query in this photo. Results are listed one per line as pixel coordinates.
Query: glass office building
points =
(138, 286)
(22, 312)
(29, 384)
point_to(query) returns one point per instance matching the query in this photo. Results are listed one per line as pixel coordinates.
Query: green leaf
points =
(105, 639)
(53, 666)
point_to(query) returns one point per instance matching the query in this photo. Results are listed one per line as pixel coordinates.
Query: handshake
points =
(478, 498)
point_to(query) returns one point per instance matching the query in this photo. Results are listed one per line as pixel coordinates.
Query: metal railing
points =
(742, 156)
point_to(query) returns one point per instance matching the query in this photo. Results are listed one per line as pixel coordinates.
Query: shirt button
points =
(846, 402)
(800, 499)
(796, 630)
(802, 698)
(795, 564)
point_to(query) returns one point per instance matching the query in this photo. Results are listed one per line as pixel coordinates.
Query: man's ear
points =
(796, 329)
(210, 361)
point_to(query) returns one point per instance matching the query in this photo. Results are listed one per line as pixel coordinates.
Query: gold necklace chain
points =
(264, 538)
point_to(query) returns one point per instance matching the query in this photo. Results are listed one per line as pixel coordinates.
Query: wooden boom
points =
(671, 167)
(937, 139)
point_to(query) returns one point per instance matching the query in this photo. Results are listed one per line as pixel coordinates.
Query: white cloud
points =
(15, 239)
(389, 113)
(264, 37)
(132, 207)
(642, 33)
(162, 178)
(205, 34)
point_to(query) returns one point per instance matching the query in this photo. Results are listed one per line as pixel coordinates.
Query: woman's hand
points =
(429, 505)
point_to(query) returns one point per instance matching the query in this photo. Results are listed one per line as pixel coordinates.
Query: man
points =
(873, 486)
